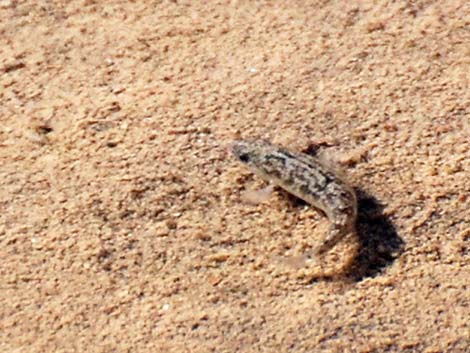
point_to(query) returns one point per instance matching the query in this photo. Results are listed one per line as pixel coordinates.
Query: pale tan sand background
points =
(122, 225)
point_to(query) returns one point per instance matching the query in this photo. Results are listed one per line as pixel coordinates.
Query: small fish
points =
(306, 177)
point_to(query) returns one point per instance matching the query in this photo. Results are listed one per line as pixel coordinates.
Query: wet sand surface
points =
(123, 225)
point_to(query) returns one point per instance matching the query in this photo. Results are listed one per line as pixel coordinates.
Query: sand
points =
(123, 226)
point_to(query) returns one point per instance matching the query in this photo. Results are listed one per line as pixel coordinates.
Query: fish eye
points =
(244, 157)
